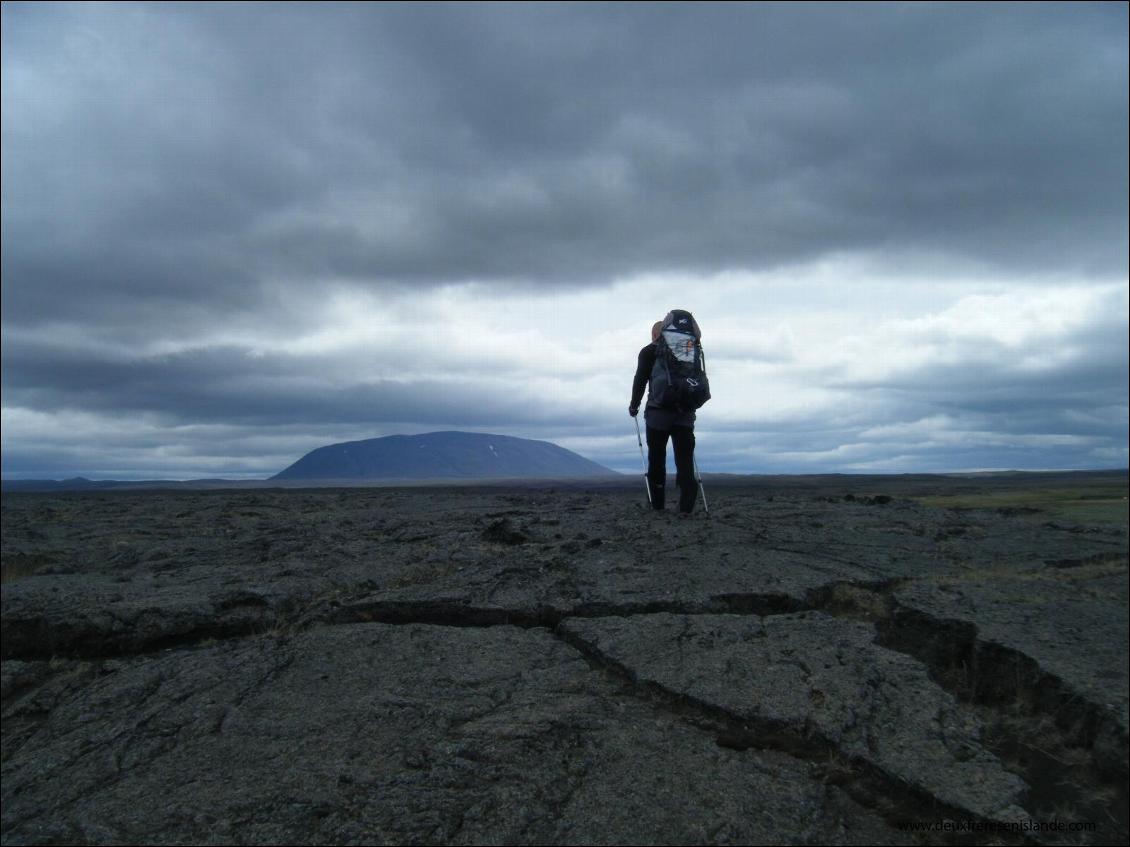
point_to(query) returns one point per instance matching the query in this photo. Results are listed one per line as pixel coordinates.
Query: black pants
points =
(682, 437)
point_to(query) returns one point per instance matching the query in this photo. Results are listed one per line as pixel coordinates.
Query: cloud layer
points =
(233, 233)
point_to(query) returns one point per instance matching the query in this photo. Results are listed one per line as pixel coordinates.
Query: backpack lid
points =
(681, 320)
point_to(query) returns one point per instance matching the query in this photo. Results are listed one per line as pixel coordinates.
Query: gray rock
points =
(815, 680)
(1054, 636)
(375, 733)
(554, 666)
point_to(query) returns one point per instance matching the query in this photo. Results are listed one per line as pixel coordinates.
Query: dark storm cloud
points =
(1077, 388)
(570, 143)
(575, 143)
(231, 385)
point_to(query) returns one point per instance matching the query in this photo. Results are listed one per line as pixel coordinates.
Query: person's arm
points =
(643, 374)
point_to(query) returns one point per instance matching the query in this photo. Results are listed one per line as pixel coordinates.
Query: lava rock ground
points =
(558, 665)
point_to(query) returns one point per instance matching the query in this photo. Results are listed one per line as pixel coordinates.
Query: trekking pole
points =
(643, 462)
(698, 478)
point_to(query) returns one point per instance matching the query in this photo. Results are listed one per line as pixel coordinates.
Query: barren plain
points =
(890, 660)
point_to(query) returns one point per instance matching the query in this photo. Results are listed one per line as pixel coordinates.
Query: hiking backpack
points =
(678, 378)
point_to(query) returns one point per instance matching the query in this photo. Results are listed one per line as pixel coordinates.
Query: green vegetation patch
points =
(1104, 503)
(16, 565)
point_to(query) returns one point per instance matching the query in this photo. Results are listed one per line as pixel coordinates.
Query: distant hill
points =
(443, 455)
(77, 483)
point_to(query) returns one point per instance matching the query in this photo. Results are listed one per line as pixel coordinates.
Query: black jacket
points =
(656, 417)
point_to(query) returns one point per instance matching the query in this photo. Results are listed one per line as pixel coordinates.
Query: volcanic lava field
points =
(849, 660)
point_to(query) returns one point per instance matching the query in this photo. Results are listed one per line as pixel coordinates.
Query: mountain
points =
(443, 455)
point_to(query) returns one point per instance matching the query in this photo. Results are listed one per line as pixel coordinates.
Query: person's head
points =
(656, 328)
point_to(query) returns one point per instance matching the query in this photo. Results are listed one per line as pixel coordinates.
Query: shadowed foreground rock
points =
(820, 684)
(382, 733)
(485, 665)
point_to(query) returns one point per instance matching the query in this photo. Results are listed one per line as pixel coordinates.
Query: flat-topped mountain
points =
(443, 455)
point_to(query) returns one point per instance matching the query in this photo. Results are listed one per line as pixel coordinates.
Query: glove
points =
(633, 410)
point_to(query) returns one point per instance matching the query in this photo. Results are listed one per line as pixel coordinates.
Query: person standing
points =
(665, 422)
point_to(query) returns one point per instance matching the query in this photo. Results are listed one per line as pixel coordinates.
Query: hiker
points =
(666, 418)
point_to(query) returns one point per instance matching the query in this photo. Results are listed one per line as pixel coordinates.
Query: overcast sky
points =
(234, 233)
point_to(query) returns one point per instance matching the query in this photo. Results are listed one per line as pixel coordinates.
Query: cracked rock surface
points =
(405, 734)
(539, 665)
(823, 681)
